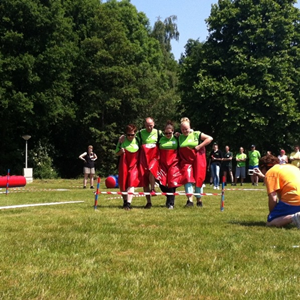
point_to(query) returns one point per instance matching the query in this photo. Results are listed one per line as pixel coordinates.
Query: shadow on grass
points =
(260, 223)
(121, 206)
(133, 206)
(248, 223)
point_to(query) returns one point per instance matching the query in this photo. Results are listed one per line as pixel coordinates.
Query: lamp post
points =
(26, 137)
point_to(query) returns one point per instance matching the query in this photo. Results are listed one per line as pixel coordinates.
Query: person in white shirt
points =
(283, 159)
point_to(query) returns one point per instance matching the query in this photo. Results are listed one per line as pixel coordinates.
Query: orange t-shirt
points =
(285, 180)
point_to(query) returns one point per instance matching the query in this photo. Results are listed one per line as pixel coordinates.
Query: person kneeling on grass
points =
(283, 188)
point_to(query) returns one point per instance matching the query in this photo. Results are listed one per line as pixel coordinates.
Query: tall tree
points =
(165, 31)
(74, 73)
(248, 75)
(122, 77)
(36, 59)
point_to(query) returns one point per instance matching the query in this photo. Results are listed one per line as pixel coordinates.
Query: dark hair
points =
(268, 161)
(130, 127)
(169, 124)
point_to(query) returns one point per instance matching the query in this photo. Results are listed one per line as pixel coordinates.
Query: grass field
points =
(72, 251)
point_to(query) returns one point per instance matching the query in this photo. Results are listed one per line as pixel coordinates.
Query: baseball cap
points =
(282, 151)
(252, 146)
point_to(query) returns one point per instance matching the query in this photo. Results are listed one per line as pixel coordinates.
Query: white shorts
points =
(89, 170)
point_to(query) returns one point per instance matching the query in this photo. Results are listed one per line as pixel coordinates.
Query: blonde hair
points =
(185, 119)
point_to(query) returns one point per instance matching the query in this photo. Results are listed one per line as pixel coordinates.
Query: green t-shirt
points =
(130, 146)
(167, 144)
(149, 137)
(192, 140)
(241, 156)
(254, 157)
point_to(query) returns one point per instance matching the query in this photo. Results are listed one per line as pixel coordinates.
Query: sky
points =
(191, 15)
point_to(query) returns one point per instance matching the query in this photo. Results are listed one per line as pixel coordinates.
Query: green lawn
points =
(72, 251)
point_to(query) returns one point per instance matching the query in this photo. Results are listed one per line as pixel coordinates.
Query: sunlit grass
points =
(74, 252)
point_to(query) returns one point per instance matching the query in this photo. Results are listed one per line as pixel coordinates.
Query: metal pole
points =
(26, 148)
(223, 193)
(97, 193)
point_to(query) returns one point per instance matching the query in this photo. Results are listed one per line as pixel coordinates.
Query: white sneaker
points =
(215, 187)
(296, 219)
(218, 188)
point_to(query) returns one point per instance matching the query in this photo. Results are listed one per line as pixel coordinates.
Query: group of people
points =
(150, 156)
(281, 176)
(221, 163)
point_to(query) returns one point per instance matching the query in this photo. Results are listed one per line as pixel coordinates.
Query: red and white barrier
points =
(158, 194)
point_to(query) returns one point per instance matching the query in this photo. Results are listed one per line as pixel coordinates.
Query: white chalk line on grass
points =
(17, 190)
(39, 204)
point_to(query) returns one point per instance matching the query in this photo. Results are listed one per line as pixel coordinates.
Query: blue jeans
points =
(215, 173)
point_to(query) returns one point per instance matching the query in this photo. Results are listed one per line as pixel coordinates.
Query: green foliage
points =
(122, 78)
(247, 74)
(42, 163)
(75, 73)
(165, 32)
(37, 53)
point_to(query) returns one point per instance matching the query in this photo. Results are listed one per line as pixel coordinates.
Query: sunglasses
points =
(128, 134)
(168, 133)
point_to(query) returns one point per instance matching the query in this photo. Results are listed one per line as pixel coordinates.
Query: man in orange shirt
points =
(283, 188)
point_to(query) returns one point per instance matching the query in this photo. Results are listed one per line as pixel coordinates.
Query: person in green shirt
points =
(254, 157)
(129, 176)
(192, 160)
(149, 155)
(168, 174)
(240, 170)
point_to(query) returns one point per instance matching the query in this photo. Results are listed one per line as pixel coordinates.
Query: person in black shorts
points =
(227, 164)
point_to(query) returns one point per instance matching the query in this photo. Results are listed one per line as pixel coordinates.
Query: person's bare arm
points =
(206, 140)
(272, 200)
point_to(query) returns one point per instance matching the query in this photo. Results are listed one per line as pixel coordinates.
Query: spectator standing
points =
(254, 156)
(227, 164)
(215, 161)
(240, 170)
(89, 159)
(295, 157)
(283, 159)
